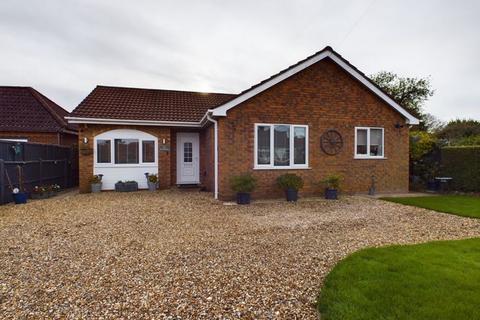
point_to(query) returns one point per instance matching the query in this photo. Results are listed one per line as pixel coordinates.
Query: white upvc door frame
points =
(182, 177)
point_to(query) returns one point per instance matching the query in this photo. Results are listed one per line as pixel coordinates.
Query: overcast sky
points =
(65, 48)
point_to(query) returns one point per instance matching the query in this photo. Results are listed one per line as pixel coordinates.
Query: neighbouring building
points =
(26, 115)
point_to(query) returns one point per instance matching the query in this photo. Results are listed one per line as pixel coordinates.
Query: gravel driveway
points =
(177, 255)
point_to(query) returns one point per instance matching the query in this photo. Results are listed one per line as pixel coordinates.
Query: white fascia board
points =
(221, 111)
(134, 122)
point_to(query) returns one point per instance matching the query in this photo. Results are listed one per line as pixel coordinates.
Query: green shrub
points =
(467, 141)
(290, 181)
(421, 144)
(332, 181)
(243, 183)
(463, 165)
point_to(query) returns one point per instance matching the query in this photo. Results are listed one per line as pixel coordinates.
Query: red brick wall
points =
(42, 137)
(207, 158)
(323, 97)
(86, 152)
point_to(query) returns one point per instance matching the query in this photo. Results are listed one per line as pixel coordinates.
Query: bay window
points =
(124, 147)
(369, 142)
(280, 146)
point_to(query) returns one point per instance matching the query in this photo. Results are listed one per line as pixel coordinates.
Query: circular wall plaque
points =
(331, 142)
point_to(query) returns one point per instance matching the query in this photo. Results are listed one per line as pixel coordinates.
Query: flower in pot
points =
(126, 186)
(39, 192)
(332, 184)
(152, 181)
(243, 185)
(96, 183)
(290, 183)
(50, 191)
(56, 188)
(19, 194)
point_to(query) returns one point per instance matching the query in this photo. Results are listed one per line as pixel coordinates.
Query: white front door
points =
(188, 164)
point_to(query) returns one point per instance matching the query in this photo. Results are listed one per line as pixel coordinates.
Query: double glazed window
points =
(125, 151)
(281, 146)
(104, 150)
(369, 143)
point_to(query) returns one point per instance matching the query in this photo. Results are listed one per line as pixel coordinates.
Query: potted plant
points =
(19, 195)
(50, 191)
(290, 183)
(243, 185)
(126, 186)
(332, 184)
(56, 188)
(96, 183)
(152, 181)
(39, 192)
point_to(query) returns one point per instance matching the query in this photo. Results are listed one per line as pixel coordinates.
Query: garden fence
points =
(42, 164)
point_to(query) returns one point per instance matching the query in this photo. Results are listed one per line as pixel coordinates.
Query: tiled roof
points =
(147, 104)
(26, 109)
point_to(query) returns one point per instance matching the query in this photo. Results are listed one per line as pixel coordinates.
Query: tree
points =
(411, 93)
(456, 131)
(432, 123)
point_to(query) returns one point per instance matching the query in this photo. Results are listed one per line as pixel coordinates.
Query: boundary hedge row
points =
(462, 163)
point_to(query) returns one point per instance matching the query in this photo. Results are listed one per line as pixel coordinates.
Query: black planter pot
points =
(432, 185)
(126, 186)
(20, 197)
(243, 198)
(331, 194)
(292, 195)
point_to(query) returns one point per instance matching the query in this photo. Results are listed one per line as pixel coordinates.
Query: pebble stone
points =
(182, 255)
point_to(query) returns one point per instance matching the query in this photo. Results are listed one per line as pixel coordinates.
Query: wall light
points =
(85, 140)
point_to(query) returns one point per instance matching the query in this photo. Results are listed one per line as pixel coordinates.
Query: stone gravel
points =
(183, 255)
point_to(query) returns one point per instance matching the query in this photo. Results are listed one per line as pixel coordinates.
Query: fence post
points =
(2, 181)
(40, 171)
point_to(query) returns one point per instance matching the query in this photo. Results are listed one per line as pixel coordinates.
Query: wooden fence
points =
(42, 165)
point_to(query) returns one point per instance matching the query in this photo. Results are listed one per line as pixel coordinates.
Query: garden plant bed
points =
(183, 254)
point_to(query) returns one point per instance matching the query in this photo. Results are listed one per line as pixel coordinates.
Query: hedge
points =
(462, 163)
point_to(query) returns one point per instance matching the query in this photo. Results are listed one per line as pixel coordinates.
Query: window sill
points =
(282, 168)
(370, 158)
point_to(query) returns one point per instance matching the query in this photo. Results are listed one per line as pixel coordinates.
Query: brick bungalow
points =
(317, 117)
(26, 115)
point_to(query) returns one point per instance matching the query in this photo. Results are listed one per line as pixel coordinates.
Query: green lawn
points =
(436, 280)
(467, 206)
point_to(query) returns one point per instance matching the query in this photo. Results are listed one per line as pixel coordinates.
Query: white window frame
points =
(368, 156)
(125, 134)
(292, 152)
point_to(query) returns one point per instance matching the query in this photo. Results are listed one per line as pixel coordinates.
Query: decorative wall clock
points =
(331, 142)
